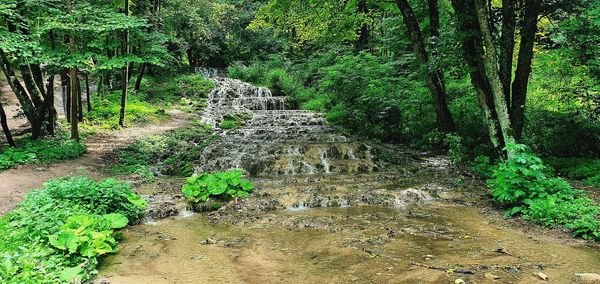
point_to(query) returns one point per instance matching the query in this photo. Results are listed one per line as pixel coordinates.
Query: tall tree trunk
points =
(468, 27)
(50, 105)
(140, 76)
(125, 72)
(507, 46)
(87, 92)
(433, 10)
(434, 76)
(74, 86)
(491, 68)
(519, 86)
(5, 128)
(79, 101)
(66, 94)
(28, 107)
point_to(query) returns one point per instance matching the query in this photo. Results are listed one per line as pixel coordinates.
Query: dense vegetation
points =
(59, 233)
(43, 151)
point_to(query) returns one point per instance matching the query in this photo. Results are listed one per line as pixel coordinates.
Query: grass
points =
(40, 151)
(60, 233)
(172, 153)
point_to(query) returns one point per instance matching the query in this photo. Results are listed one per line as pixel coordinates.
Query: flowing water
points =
(327, 209)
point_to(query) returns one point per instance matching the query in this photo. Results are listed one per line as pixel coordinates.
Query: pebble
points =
(587, 278)
(210, 241)
(459, 281)
(491, 276)
(541, 276)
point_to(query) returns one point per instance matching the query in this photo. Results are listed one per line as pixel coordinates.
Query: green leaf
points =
(116, 220)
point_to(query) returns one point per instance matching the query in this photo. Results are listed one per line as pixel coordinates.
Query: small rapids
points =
(326, 208)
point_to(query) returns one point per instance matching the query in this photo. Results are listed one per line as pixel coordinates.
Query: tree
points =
(125, 71)
(434, 76)
(502, 103)
(5, 128)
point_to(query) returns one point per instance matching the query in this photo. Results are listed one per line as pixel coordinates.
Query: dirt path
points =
(14, 183)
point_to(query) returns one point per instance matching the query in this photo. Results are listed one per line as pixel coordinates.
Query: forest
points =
(331, 141)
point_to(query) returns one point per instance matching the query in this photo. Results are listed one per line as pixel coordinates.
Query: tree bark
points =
(433, 10)
(507, 46)
(140, 76)
(74, 86)
(468, 25)
(87, 92)
(125, 72)
(79, 101)
(434, 76)
(50, 105)
(523, 71)
(491, 63)
(5, 128)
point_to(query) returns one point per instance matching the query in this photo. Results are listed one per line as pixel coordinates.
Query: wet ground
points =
(436, 242)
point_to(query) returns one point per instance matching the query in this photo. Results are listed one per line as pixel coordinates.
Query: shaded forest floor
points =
(18, 181)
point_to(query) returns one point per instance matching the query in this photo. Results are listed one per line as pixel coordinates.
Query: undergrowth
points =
(59, 233)
(40, 151)
(526, 187)
(172, 153)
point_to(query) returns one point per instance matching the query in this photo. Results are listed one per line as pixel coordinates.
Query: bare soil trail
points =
(14, 183)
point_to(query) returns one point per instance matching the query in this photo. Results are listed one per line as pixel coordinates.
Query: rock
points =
(210, 241)
(541, 276)
(198, 257)
(587, 278)
(428, 257)
(491, 276)
(459, 281)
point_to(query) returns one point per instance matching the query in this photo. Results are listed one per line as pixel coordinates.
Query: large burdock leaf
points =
(116, 220)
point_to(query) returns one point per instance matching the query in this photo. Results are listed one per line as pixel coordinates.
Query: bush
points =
(58, 233)
(222, 186)
(40, 151)
(527, 187)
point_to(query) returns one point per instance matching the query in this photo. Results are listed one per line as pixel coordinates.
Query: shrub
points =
(58, 233)
(222, 186)
(40, 151)
(525, 186)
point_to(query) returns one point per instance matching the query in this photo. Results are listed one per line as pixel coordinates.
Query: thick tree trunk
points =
(433, 10)
(125, 73)
(519, 86)
(5, 128)
(491, 63)
(468, 25)
(434, 77)
(507, 46)
(140, 76)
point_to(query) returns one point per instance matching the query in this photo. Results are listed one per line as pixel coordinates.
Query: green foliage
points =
(105, 114)
(40, 151)
(170, 90)
(58, 233)
(584, 169)
(172, 153)
(526, 187)
(234, 120)
(223, 186)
